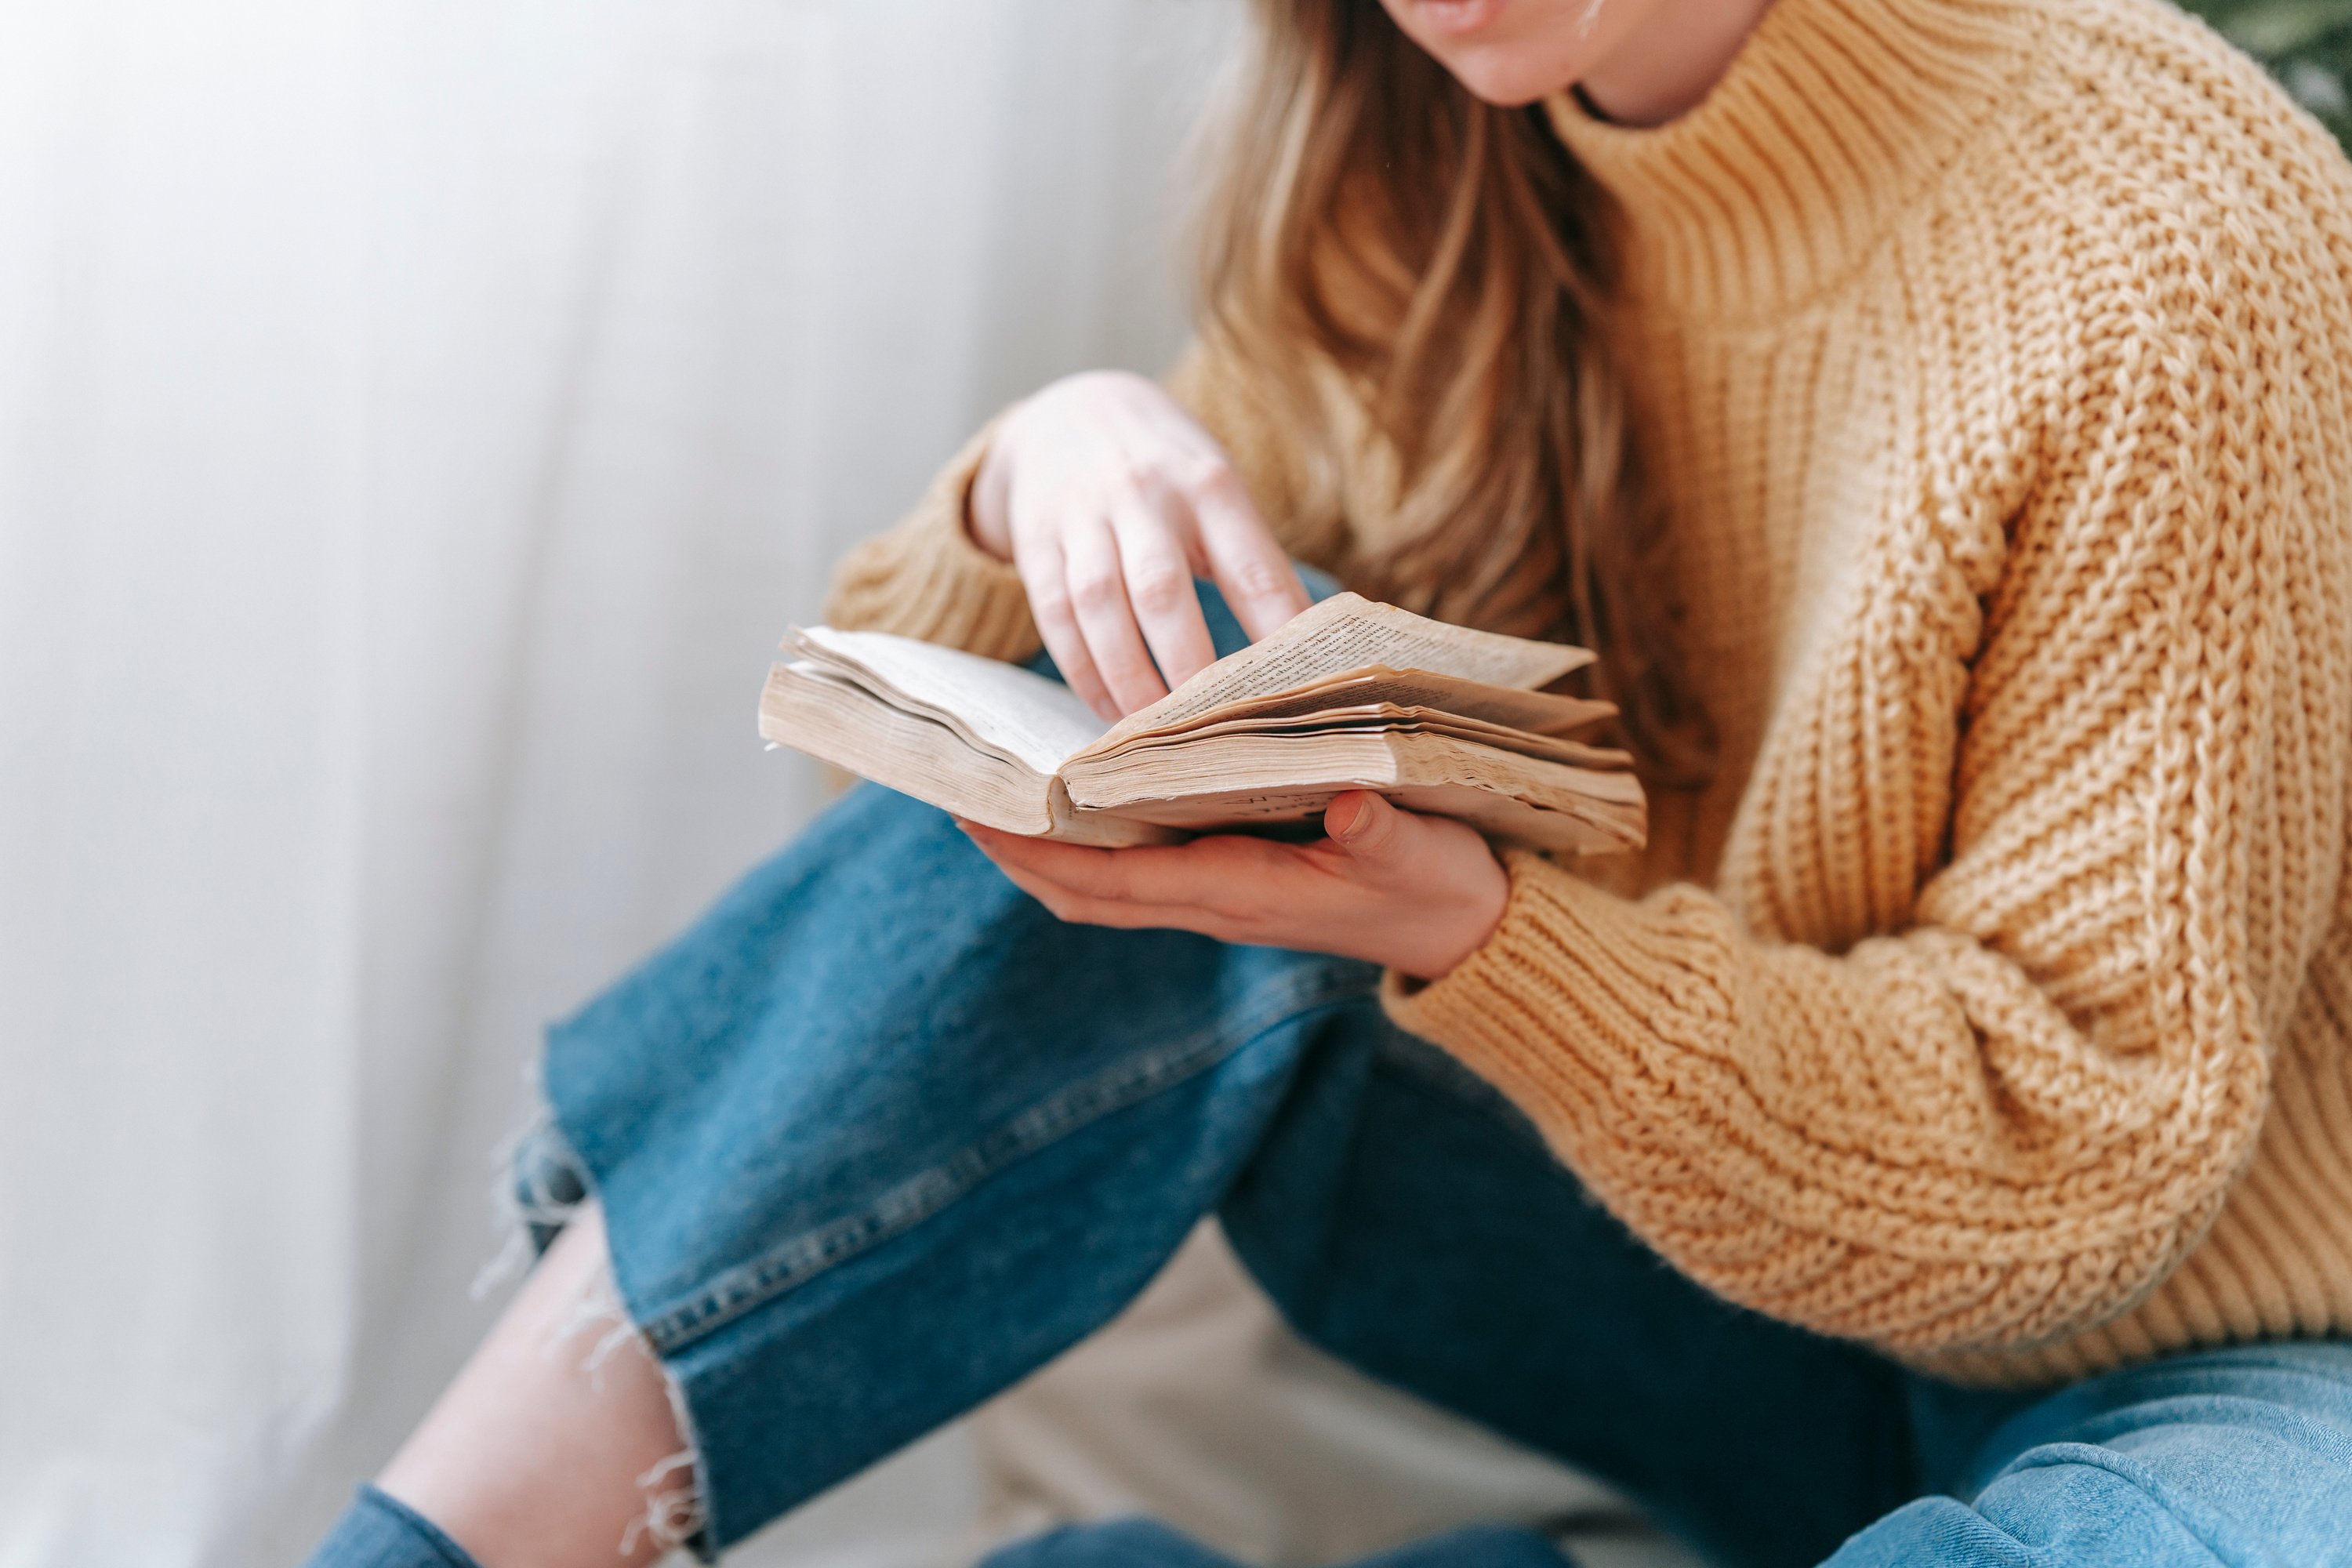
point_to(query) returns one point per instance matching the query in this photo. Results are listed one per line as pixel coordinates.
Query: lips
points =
(1457, 17)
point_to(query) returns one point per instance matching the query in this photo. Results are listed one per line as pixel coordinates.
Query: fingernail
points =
(1355, 819)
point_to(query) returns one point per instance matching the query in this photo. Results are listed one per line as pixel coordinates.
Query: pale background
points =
(418, 420)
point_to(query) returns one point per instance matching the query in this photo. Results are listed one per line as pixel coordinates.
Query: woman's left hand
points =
(1417, 894)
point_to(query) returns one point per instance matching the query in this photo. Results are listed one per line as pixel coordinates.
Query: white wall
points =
(418, 418)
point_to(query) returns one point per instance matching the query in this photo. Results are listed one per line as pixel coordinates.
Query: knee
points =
(1932, 1532)
(2060, 1505)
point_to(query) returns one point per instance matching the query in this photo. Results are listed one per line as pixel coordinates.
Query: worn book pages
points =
(1382, 716)
(1537, 712)
(1279, 779)
(1346, 633)
(840, 720)
(999, 707)
(1349, 695)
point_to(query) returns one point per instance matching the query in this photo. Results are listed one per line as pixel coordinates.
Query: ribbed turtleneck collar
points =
(1832, 117)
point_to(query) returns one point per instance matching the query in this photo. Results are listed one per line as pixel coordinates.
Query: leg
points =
(1199, 1407)
(882, 1136)
(2239, 1456)
(1406, 1219)
(552, 1445)
(873, 1141)
(2235, 1458)
(751, 1064)
(879, 1137)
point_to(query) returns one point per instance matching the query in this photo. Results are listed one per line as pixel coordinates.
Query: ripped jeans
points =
(878, 1136)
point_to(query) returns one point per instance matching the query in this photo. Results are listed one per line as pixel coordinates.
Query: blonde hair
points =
(1451, 263)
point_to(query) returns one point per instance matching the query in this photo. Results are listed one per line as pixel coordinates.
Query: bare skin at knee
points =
(555, 1446)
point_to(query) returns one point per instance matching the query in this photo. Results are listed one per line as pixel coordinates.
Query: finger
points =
(1047, 577)
(1256, 578)
(1364, 825)
(1225, 875)
(1013, 856)
(1099, 596)
(1079, 869)
(1159, 588)
(1078, 909)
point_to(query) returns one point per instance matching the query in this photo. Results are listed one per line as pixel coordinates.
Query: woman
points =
(1936, 413)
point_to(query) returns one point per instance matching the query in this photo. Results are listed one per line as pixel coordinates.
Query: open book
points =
(1349, 695)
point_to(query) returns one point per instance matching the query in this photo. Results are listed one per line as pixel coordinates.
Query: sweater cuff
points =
(925, 578)
(1560, 988)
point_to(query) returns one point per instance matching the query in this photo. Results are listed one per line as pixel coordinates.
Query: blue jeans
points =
(878, 1136)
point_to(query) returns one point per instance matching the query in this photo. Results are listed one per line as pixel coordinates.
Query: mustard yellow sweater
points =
(1995, 1004)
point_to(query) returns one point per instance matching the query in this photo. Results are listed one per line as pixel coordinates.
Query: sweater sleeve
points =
(2006, 1119)
(925, 578)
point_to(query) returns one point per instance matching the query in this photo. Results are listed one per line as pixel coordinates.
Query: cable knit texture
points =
(1992, 1005)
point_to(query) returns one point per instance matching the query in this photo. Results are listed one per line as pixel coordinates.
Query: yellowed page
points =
(1272, 733)
(1346, 633)
(1505, 819)
(1531, 712)
(1380, 716)
(1263, 778)
(1002, 708)
(821, 712)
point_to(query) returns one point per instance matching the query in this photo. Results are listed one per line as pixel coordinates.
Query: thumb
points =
(1363, 825)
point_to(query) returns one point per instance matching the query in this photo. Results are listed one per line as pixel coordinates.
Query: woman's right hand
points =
(1109, 500)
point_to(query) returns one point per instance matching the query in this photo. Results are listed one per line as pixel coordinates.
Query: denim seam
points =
(2091, 1456)
(752, 1285)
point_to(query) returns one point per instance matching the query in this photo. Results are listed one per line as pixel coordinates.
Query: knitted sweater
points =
(1994, 1003)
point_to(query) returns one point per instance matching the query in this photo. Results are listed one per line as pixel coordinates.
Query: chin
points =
(1500, 77)
(1510, 52)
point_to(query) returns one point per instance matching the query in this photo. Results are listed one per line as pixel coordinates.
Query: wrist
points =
(1485, 919)
(1477, 914)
